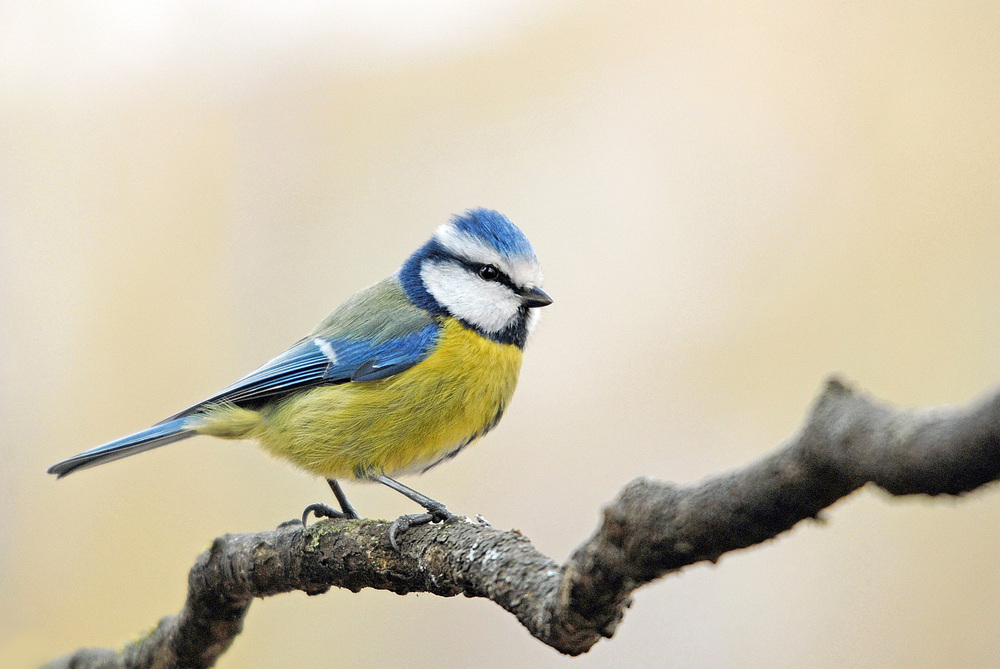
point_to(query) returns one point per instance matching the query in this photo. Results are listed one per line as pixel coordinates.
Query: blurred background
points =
(730, 200)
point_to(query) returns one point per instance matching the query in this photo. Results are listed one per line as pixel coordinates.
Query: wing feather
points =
(374, 335)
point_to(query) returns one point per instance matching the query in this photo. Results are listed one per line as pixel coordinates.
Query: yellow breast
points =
(401, 424)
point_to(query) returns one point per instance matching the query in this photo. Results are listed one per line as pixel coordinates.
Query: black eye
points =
(488, 272)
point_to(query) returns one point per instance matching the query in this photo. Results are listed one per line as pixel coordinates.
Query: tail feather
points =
(154, 437)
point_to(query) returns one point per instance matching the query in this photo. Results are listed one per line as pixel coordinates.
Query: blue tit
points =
(404, 374)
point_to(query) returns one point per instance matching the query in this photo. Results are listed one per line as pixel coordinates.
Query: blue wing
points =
(326, 360)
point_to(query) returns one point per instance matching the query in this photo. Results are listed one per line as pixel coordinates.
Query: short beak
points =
(535, 297)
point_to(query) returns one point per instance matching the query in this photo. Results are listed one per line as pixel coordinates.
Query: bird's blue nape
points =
(413, 285)
(496, 230)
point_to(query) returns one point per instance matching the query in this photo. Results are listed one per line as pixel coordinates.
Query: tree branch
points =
(651, 529)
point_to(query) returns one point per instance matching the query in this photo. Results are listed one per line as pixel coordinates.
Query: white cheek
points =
(488, 305)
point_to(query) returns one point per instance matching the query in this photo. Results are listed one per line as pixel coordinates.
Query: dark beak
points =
(535, 297)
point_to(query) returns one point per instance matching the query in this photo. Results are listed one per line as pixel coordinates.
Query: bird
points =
(401, 376)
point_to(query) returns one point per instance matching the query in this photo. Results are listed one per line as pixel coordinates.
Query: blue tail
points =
(154, 437)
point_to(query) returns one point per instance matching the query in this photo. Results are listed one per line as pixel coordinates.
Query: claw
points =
(436, 511)
(437, 515)
(404, 523)
(325, 511)
(321, 511)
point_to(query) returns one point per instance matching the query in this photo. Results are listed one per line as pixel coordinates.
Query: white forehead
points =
(524, 271)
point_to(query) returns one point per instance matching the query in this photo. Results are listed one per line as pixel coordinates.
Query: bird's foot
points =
(321, 510)
(437, 514)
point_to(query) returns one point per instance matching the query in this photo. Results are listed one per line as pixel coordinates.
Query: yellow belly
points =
(401, 424)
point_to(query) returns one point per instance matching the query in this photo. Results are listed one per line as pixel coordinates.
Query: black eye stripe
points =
(495, 275)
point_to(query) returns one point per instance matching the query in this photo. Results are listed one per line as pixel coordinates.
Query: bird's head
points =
(480, 269)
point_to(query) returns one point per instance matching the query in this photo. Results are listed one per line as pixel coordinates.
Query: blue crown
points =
(495, 229)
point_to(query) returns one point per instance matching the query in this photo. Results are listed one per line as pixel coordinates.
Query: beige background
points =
(731, 200)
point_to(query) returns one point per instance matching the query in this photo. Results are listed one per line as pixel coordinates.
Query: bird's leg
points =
(436, 511)
(345, 505)
(321, 510)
